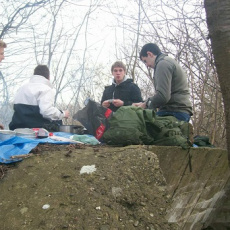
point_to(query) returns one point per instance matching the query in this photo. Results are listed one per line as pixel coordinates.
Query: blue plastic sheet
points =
(19, 146)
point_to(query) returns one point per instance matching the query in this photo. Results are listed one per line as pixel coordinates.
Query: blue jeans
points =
(179, 115)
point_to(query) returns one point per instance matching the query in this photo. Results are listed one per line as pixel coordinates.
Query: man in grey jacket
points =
(170, 82)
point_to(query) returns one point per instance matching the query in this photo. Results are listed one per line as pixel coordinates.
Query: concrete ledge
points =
(133, 187)
(198, 192)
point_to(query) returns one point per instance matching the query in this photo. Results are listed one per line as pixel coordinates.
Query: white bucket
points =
(6, 134)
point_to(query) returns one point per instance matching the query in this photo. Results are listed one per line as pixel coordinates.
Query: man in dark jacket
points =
(122, 92)
(170, 82)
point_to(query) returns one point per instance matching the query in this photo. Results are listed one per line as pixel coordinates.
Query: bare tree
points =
(14, 17)
(218, 16)
(17, 14)
(180, 29)
(55, 38)
(60, 46)
(62, 39)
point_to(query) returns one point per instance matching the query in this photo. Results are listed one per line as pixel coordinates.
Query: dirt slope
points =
(127, 190)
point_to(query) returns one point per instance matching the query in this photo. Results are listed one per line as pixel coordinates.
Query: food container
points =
(40, 132)
(75, 129)
(6, 134)
(25, 133)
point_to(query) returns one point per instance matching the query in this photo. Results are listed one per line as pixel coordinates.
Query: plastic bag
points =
(87, 139)
(94, 117)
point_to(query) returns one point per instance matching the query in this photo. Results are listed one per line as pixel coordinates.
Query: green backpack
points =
(133, 125)
(169, 131)
(127, 127)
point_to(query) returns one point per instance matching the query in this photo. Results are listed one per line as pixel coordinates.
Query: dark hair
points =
(42, 70)
(150, 47)
(118, 64)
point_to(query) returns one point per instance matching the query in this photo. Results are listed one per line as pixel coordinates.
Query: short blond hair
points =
(118, 64)
(3, 44)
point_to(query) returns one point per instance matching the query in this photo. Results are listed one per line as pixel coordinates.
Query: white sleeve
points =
(47, 109)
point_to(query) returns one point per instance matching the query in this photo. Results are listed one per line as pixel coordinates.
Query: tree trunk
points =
(218, 20)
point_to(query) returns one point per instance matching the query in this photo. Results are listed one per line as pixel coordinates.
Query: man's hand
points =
(140, 104)
(106, 103)
(66, 113)
(118, 102)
